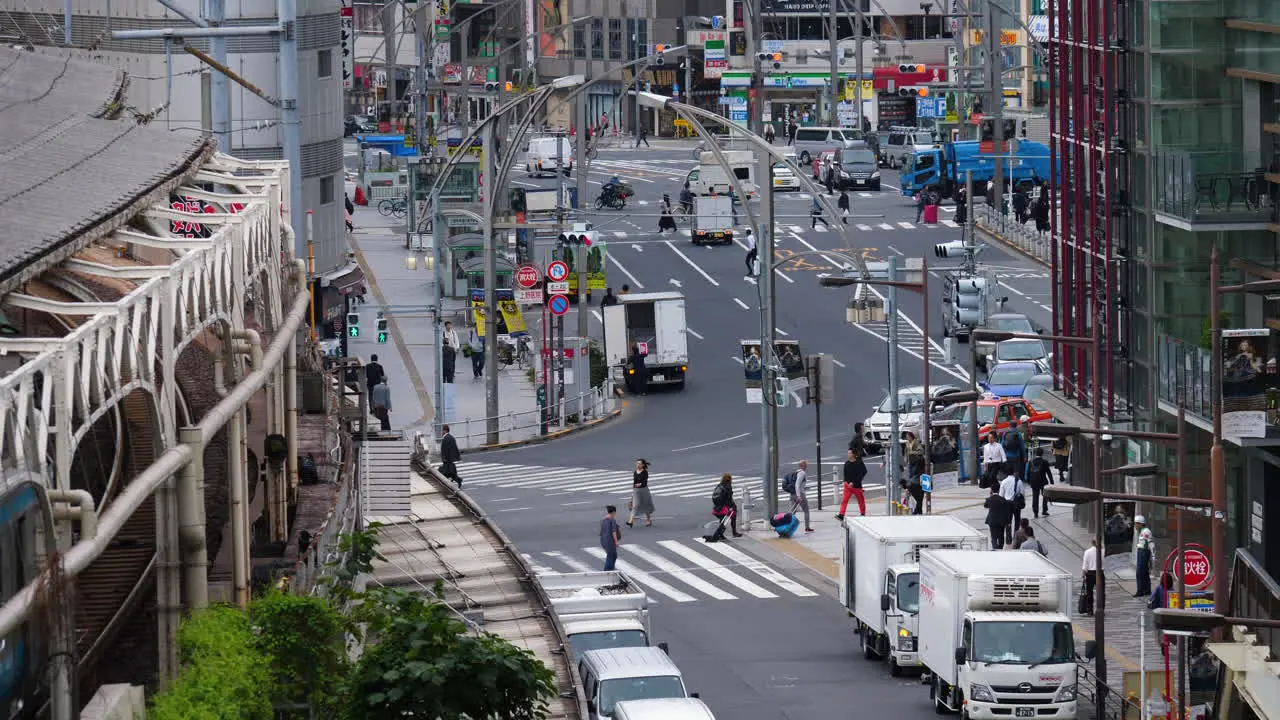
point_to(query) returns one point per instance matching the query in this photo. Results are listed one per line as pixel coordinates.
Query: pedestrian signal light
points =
(353, 325)
(780, 392)
(382, 330)
(507, 86)
(491, 87)
(583, 239)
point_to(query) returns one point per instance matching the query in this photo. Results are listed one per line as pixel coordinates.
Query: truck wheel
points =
(868, 651)
(680, 385)
(939, 697)
(894, 668)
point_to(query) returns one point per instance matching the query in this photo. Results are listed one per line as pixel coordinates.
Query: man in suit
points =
(449, 456)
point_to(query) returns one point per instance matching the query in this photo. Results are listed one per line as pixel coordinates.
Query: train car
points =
(26, 538)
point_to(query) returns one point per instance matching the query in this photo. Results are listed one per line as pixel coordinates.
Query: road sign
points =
(525, 296)
(558, 304)
(1199, 569)
(557, 271)
(926, 483)
(558, 288)
(527, 276)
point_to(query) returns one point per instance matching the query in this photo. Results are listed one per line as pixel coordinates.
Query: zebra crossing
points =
(878, 227)
(682, 571)
(553, 480)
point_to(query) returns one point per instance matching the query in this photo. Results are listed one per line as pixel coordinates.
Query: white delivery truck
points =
(549, 155)
(995, 634)
(880, 577)
(598, 610)
(712, 219)
(656, 323)
(709, 178)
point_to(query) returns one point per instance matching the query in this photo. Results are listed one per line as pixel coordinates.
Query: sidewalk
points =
(820, 551)
(409, 356)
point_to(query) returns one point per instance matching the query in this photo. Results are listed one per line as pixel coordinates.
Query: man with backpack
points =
(1013, 445)
(1039, 475)
(796, 484)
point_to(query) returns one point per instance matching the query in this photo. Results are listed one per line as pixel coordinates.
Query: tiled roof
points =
(76, 163)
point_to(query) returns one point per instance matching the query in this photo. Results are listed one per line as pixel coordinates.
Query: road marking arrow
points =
(822, 275)
(674, 281)
(637, 248)
(750, 280)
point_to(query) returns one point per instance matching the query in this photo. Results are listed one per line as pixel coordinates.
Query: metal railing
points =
(1185, 375)
(342, 518)
(1022, 236)
(1191, 193)
(526, 424)
(1116, 706)
(1255, 594)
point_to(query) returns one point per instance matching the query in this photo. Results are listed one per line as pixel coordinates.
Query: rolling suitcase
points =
(931, 214)
(785, 524)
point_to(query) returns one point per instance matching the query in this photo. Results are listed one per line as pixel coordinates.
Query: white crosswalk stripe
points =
(575, 479)
(637, 235)
(683, 571)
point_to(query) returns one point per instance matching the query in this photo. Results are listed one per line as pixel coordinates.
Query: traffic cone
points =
(360, 198)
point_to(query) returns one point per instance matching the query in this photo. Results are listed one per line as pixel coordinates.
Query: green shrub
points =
(224, 675)
(305, 638)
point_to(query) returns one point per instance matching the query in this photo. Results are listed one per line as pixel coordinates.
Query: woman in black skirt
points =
(641, 499)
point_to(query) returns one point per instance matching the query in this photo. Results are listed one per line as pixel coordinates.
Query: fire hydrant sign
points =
(528, 277)
(1199, 571)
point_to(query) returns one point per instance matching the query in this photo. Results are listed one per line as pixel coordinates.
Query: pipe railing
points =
(595, 403)
(1023, 236)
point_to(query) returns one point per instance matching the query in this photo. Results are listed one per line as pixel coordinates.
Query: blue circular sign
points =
(558, 305)
(715, 22)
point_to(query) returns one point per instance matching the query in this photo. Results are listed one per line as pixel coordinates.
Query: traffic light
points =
(507, 86)
(777, 61)
(576, 239)
(774, 58)
(955, 248)
(780, 392)
(913, 92)
(491, 86)
(658, 50)
(968, 298)
(911, 68)
(353, 325)
(382, 330)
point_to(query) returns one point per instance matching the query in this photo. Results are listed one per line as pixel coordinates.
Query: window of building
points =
(367, 17)
(615, 38)
(324, 63)
(579, 41)
(597, 39)
(326, 190)
(637, 38)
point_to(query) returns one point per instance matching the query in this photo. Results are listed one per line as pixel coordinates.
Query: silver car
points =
(910, 404)
(1004, 322)
(1018, 349)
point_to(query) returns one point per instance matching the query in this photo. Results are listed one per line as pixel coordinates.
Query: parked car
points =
(1009, 379)
(359, 125)
(784, 178)
(1014, 350)
(910, 405)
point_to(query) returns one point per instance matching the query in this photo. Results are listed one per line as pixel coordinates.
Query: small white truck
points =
(598, 610)
(710, 178)
(656, 323)
(995, 634)
(880, 577)
(712, 219)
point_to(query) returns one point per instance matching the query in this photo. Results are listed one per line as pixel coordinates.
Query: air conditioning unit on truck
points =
(995, 634)
(598, 610)
(880, 576)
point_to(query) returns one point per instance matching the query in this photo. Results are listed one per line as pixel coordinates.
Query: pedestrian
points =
(815, 216)
(722, 501)
(962, 206)
(997, 518)
(1061, 457)
(1039, 475)
(992, 460)
(842, 204)
(768, 133)
(1032, 542)
(449, 351)
(477, 355)
(855, 470)
(750, 241)
(792, 128)
(858, 443)
(626, 289)
(641, 502)
(666, 221)
(922, 199)
(360, 296)
(351, 210)
(915, 488)
(639, 376)
(642, 137)
(1020, 535)
(1020, 202)
(1144, 548)
(1014, 450)
(381, 401)
(1089, 576)
(1011, 490)
(1042, 209)
(1160, 598)
(609, 298)
(610, 537)
(800, 493)
(373, 373)
(449, 456)
(912, 453)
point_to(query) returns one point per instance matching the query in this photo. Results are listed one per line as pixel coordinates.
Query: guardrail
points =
(590, 405)
(1024, 237)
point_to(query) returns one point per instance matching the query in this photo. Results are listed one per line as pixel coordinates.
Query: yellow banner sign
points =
(512, 316)
(1007, 37)
(851, 90)
(477, 314)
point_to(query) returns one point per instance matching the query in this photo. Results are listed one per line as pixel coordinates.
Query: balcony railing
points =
(1185, 375)
(1189, 190)
(1255, 594)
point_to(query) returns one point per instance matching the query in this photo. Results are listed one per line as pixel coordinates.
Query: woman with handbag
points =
(641, 500)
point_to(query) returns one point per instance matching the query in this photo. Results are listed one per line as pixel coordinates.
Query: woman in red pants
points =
(854, 471)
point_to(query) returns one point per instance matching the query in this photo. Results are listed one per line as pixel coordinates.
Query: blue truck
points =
(945, 164)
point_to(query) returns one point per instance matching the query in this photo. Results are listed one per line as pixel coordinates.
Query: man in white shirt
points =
(750, 241)
(1011, 490)
(1089, 574)
(992, 458)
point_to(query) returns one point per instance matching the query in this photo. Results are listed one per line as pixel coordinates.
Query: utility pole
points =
(464, 112)
(490, 284)
(219, 92)
(389, 55)
(995, 109)
(289, 119)
(580, 120)
(971, 431)
(833, 45)
(892, 459)
(420, 82)
(857, 61)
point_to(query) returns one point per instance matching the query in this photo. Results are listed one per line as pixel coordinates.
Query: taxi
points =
(995, 414)
(784, 178)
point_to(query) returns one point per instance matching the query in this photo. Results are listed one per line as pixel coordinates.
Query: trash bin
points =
(931, 214)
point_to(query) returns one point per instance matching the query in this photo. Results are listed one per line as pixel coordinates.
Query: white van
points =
(812, 140)
(545, 155)
(665, 709)
(618, 674)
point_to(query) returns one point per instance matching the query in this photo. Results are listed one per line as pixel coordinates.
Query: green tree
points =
(305, 638)
(421, 660)
(223, 676)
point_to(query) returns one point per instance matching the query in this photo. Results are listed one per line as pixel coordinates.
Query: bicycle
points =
(518, 352)
(398, 207)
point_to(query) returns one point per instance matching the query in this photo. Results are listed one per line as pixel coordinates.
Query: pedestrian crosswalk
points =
(554, 480)
(682, 571)
(781, 230)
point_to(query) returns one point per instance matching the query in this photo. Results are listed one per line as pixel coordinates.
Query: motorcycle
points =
(615, 197)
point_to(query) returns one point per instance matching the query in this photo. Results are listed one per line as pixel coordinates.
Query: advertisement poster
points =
(752, 367)
(786, 356)
(1117, 526)
(554, 43)
(510, 319)
(1248, 376)
(597, 260)
(714, 60)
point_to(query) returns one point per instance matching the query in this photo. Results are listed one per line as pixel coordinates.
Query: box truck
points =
(880, 576)
(995, 634)
(598, 610)
(656, 323)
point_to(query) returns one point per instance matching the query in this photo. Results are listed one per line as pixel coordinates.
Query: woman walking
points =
(641, 499)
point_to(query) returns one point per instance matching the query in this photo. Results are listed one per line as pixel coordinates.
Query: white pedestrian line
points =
(866, 195)
(692, 264)
(693, 333)
(537, 568)
(781, 332)
(719, 571)
(796, 228)
(886, 226)
(838, 363)
(619, 234)
(714, 442)
(614, 259)
(736, 359)
(864, 228)
(572, 564)
(741, 304)
(579, 502)
(950, 223)
(760, 569)
(644, 578)
(906, 225)
(669, 568)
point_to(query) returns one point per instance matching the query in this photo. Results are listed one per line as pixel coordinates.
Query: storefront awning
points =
(475, 266)
(346, 280)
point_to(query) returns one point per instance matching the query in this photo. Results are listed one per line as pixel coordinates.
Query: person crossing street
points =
(750, 241)
(799, 493)
(854, 472)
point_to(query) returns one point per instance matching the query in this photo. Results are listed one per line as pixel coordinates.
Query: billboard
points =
(1248, 379)
(554, 43)
(788, 363)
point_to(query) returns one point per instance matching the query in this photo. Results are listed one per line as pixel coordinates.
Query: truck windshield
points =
(909, 592)
(613, 692)
(582, 642)
(1023, 643)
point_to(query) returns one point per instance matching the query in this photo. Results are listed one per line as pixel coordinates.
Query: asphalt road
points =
(758, 635)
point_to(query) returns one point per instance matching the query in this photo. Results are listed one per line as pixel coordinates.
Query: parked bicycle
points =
(397, 207)
(517, 351)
